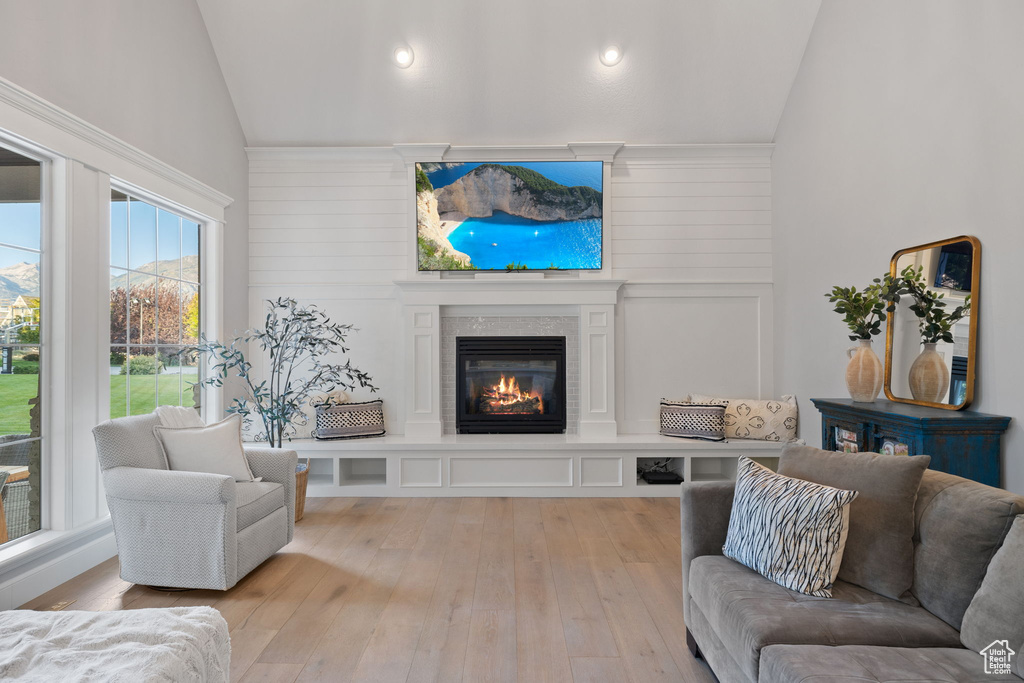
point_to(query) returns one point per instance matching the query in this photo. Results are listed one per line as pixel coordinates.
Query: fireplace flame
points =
(506, 396)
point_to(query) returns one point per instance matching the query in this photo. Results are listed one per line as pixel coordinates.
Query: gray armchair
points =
(191, 529)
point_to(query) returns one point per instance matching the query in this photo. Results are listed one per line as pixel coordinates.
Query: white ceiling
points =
(319, 72)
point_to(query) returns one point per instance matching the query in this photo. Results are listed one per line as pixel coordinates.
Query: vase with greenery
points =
(863, 311)
(929, 376)
(299, 344)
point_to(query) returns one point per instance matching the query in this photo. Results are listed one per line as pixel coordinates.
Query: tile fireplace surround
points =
(591, 458)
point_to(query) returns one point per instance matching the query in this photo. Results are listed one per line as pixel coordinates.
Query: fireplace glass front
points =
(510, 385)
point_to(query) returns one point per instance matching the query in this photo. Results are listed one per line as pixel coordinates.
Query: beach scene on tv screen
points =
(543, 215)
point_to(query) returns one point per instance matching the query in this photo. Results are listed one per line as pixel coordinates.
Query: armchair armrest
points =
(173, 528)
(277, 465)
(168, 486)
(704, 510)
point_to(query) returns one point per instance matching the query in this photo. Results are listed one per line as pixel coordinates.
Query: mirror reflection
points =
(930, 341)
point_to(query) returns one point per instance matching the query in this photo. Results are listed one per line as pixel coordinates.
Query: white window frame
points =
(210, 240)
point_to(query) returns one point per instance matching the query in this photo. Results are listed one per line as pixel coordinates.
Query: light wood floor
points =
(449, 589)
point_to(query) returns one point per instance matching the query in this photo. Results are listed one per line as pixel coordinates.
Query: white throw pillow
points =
(756, 419)
(790, 531)
(215, 449)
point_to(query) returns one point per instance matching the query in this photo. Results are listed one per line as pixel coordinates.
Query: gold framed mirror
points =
(930, 360)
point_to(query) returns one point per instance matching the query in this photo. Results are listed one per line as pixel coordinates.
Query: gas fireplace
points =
(510, 385)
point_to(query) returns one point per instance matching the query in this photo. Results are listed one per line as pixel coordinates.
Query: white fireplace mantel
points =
(594, 300)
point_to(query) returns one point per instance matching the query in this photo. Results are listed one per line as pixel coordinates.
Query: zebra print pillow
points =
(788, 530)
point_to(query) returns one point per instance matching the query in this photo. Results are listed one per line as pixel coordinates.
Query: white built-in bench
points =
(543, 465)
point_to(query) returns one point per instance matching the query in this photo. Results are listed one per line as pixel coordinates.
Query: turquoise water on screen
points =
(498, 240)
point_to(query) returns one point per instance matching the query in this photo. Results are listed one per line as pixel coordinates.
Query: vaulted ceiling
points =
(319, 72)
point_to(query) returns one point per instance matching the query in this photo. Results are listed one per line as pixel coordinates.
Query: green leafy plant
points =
(515, 266)
(299, 342)
(862, 310)
(142, 365)
(935, 322)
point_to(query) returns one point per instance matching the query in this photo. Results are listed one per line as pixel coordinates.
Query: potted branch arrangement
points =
(929, 376)
(298, 341)
(863, 312)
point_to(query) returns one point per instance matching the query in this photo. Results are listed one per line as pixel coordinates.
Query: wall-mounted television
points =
(541, 215)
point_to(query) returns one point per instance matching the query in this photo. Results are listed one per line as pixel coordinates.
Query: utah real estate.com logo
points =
(997, 658)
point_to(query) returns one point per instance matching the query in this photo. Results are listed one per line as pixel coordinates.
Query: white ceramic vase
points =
(929, 376)
(864, 372)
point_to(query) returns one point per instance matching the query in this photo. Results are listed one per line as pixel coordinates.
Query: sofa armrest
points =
(277, 465)
(704, 509)
(168, 486)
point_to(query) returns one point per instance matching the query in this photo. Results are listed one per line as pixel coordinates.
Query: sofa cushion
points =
(749, 612)
(880, 548)
(256, 500)
(960, 525)
(995, 613)
(862, 664)
(788, 530)
(717, 654)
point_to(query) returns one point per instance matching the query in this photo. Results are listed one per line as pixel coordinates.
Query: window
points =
(154, 306)
(20, 345)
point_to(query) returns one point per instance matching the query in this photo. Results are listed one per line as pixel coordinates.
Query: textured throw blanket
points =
(176, 644)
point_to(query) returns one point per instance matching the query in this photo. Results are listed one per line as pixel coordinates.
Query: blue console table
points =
(960, 442)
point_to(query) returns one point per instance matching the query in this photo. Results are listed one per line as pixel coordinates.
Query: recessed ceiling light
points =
(403, 56)
(611, 55)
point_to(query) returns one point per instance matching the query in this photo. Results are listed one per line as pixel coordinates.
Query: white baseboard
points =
(51, 564)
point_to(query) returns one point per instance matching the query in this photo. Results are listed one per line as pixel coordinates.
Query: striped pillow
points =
(788, 530)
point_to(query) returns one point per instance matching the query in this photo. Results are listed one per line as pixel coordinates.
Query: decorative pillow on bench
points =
(790, 531)
(703, 421)
(756, 419)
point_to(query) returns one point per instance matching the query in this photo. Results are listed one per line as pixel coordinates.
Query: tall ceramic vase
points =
(864, 373)
(929, 376)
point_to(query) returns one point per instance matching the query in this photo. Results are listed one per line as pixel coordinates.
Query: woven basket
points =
(301, 479)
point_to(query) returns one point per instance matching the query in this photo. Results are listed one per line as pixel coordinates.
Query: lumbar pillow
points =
(790, 531)
(880, 552)
(993, 618)
(755, 419)
(215, 449)
(687, 420)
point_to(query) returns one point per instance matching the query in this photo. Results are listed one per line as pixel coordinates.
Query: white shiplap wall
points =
(692, 220)
(688, 219)
(689, 227)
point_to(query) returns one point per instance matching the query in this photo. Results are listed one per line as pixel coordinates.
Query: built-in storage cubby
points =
(663, 464)
(362, 471)
(321, 471)
(712, 469)
(516, 464)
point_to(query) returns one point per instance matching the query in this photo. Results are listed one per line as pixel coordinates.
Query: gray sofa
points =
(751, 630)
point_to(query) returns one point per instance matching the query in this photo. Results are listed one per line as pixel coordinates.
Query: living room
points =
(748, 158)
